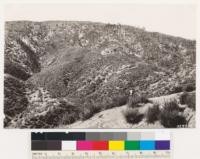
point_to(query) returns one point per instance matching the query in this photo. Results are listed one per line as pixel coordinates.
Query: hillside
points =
(63, 71)
(105, 119)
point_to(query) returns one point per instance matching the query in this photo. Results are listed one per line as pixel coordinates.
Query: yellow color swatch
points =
(116, 145)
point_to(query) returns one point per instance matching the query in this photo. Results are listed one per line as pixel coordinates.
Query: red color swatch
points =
(100, 145)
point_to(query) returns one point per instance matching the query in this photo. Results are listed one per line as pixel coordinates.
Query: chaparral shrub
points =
(153, 113)
(171, 117)
(133, 116)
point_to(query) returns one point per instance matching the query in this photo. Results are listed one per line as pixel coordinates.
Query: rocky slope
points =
(82, 68)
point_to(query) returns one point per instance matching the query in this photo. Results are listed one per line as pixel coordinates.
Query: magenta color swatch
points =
(84, 145)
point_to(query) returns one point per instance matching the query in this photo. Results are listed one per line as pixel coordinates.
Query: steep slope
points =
(15, 100)
(93, 65)
(106, 119)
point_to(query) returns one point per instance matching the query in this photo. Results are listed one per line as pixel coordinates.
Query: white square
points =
(68, 145)
(162, 135)
(147, 136)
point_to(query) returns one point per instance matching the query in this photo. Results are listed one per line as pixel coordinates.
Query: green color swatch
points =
(132, 145)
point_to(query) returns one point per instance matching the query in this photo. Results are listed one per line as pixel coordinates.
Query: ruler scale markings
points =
(97, 154)
(100, 145)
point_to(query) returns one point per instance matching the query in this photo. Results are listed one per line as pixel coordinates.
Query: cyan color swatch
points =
(147, 145)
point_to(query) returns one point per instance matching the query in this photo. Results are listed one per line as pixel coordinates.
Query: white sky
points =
(173, 19)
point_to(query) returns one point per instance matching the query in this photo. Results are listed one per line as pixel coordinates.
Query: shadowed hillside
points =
(66, 71)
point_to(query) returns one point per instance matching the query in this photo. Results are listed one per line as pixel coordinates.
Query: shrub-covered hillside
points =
(89, 67)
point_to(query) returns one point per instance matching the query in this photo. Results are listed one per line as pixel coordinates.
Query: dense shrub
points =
(170, 116)
(189, 87)
(6, 121)
(172, 119)
(153, 113)
(60, 114)
(143, 99)
(133, 116)
(89, 111)
(188, 99)
(34, 59)
(16, 70)
(70, 113)
(177, 89)
(15, 100)
(172, 106)
(183, 98)
(120, 100)
(191, 102)
(136, 100)
(64, 113)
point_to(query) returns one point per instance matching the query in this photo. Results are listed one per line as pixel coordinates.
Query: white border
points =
(182, 137)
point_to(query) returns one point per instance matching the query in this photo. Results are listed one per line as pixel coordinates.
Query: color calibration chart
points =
(101, 145)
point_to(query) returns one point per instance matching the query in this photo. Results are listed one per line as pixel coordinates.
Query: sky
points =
(173, 19)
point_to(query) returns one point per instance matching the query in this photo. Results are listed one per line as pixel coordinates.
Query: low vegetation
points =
(133, 116)
(89, 110)
(184, 88)
(153, 114)
(171, 117)
(137, 100)
(190, 87)
(70, 113)
(188, 99)
(15, 100)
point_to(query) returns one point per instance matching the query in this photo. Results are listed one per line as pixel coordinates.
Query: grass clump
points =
(153, 113)
(171, 117)
(133, 116)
